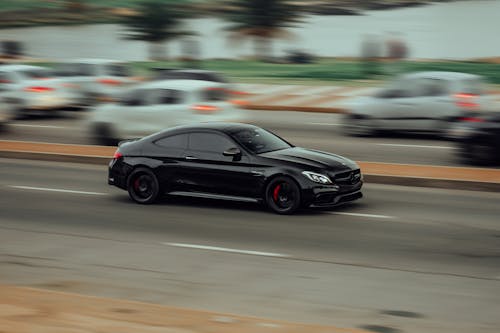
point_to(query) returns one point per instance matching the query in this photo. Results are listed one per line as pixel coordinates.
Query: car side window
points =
(432, 87)
(401, 88)
(136, 97)
(177, 141)
(209, 142)
(171, 96)
(215, 94)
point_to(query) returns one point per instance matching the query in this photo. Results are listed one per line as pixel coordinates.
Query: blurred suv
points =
(417, 102)
(94, 80)
(28, 89)
(154, 106)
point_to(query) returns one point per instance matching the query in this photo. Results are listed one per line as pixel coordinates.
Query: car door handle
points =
(191, 158)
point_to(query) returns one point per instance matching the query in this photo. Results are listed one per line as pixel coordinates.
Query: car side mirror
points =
(234, 152)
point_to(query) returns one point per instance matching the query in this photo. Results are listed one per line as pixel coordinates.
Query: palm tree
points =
(156, 22)
(262, 20)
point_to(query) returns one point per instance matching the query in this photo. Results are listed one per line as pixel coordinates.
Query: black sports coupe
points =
(234, 162)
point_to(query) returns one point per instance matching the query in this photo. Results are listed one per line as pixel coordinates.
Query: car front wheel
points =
(283, 195)
(143, 186)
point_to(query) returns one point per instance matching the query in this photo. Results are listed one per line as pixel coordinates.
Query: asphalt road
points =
(313, 130)
(400, 260)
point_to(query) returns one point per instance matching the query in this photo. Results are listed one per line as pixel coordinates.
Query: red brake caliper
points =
(276, 192)
(137, 184)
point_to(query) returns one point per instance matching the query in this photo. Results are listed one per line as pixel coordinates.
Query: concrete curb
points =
(475, 179)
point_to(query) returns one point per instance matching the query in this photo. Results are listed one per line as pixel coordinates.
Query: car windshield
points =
(259, 141)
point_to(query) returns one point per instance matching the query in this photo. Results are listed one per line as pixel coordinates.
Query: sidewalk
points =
(328, 99)
(28, 310)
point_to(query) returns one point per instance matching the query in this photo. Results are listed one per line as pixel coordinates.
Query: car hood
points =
(312, 158)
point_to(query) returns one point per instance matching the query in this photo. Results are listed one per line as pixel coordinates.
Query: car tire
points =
(103, 135)
(478, 153)
(282, 195)
(356, 126)
(143, 186)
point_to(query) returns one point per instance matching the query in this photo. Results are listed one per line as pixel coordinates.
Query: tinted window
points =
(35, 73)
(179, 141)
(213, 95)
(432, 87)
(472, 86)
(400, 88)
(170, 96)
(136, 98)
(209, 142)
(86, 70)
(117, 70)
(259, 141)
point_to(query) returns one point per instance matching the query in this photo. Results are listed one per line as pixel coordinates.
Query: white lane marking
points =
(223, 249)
(324, 124)
(54, 190)
(39, 126)
(363, 215)
(414, 146)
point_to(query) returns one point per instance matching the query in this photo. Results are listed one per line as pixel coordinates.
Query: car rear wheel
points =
(283, 195)
(143, 186)
(103, 135)
(354, 126)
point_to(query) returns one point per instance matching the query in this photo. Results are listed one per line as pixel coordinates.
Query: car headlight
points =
(317, 177)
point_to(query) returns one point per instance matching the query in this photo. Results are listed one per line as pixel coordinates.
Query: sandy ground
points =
(27, 310)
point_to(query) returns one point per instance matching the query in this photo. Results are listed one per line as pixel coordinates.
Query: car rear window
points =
(214, 95)
(472, 86)
(35, 73)
(179, 141)
(117, 70)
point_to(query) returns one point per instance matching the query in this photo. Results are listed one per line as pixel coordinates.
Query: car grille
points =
(347, 178)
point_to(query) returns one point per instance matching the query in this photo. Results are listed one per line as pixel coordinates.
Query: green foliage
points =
(155, 21)
(262, 18)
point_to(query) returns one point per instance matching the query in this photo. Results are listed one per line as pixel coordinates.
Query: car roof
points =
(442, 75)
(188, 85)
(225, 127)
(13, 68)
(92, 61)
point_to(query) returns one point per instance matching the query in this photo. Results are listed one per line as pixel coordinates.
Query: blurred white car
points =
(417, 102)
(150, 107)
(94, 79)
(28, 89)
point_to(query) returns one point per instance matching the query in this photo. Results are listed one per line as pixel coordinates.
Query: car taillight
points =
(205, 108)
(38, 89)
(239, 102)
(117, 155)
(111, 82)
(237, 92)
(466, 101)
(471, 119)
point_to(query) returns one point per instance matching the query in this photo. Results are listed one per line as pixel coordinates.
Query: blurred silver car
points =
(28, 89)
(153, 106)
(94, 79)
(417, 102)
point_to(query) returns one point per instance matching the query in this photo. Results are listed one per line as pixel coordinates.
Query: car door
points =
(207, 170)
(435, 105)
(399, 111)
(169, 152)
(134, 114)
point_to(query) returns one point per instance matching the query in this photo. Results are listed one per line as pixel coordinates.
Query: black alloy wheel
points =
(283, 195)
(143, 186)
